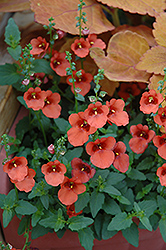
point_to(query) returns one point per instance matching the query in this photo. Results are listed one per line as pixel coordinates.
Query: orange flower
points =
(80, 131)
(96, 114)
(121, 161)
(71, 211)
(82, 170)
(94, 42)
(160, 143)
(51, 107)
(150, 101)
(82, 82)
(59, 63)
(80, 47)
(28, 183)
(160, 118)
(127, 89)
(116, 114)
(34, 98)
(101, 152)
(141, 137)
(54, 172)
(16, 168)
(70, 188)
(161, 173)
(39, 45)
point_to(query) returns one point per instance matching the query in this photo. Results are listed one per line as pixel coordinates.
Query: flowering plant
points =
(83, 160)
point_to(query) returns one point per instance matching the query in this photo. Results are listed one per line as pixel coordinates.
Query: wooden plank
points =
(8, 108)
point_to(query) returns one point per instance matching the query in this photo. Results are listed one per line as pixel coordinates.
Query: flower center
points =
(42, 45)
(163, 172)
(91, 43)
(33, 95)
(150, 99)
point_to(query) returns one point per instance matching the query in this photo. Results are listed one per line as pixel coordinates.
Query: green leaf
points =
(41, 65)
(123, 200)
(96, 202)
(145, 190)
(23, 225)
(12, 33)
(86, 238)
(38, 231)
(114, 178)
(9, 75)
(162, 226)
(136, 175)
(145, 221)
(7, 216)
(79, 222)
(45, 201)
(2, 198)
(106, 234)
(119, 222)
(22, 127)
(147, 163)
(10, 199)
(49, 222)
(162, 204)
(25, 208)
(111, 207)
(76, 152)
(111, 190)
(148, 206)
(80, 98)
(22, 101)
(15, 52)
(60, 223)
(62, 124)
(131, 234)
(82, 201)
(36, 217)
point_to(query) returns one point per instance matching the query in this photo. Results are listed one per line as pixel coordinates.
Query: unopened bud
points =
(51, 149)
(25, 82)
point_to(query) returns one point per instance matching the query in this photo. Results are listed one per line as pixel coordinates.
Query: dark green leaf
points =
(114, 178)
(82, 201)
(147, 163)
(148, 207)
(36, 217)
(23, 225)
(38, 231)
(41, 65)
(162, 204)
(162, 226)
(132, 234)
(106, 234)
(123, 200)
(79, 222)
(76, 152)
(49, 222)
(86, 238)
(12, 33)
(25, 208)
(45, 201)
(2, 198)
(22, 127)
(111, 207)
(119, 222)
(111, 190)
(62, 124)
(145, 221)
(96, 202)
(80, 98)
(10, 199)
(22, 101)
(9, 75)
(136, 175)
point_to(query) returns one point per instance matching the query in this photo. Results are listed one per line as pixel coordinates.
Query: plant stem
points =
(44, 135)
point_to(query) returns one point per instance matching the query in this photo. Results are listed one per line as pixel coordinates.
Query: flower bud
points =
(51, 149)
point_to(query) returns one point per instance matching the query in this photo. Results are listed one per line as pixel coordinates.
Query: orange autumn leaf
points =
(108, 86)
(14, 5)
(142, 30)
(160, 29)
(153, 61)
(124, 51)
(65, 11)
(151, 7)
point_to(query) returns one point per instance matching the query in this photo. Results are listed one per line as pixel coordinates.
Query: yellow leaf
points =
(124, 51)
(14, 5)
(108, 86)
(153, 61)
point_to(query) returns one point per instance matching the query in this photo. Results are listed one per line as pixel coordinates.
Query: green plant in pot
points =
(82, 161)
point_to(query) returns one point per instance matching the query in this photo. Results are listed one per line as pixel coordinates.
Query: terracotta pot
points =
(148, 240)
